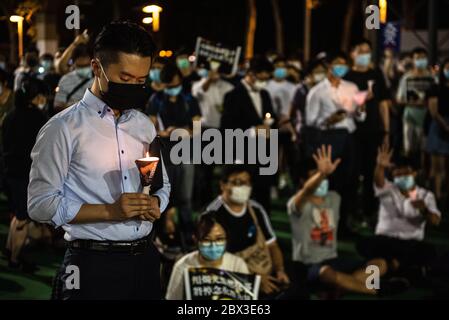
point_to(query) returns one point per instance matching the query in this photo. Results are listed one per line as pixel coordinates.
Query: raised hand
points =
(323, 160)
(384, 156)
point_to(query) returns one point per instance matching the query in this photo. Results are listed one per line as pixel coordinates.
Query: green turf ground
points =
(18, 285)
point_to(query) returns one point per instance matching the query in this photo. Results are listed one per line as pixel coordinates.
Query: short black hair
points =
(231, 169)
(29, 89)
(314, 64)
(403, 161)
(122, 36)
(360, 42)
(336, 55)
(205, 223)
(419, 50)
(169, 72)
(80, 51)
(47, 56)
(260, 64)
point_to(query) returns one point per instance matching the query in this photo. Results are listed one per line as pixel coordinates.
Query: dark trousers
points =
(110, 275)
(367, 144)
(407, 252)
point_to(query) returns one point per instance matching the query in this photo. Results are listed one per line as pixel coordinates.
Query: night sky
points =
(225, 20)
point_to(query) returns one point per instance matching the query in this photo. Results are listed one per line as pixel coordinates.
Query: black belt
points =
(133, 247)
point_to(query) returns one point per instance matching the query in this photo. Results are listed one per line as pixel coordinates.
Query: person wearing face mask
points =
(28, 69)
(172, 109)
(251, 235)
(281, 92)
(247, 107)
(210, 92)
(374, 131)
(411, 94)
(211, 253)
(19, 131)
(315, 73)
(72, 85)
(314, 212)
(47, 73)
(189, 75)
(437, 144)
(84, 177)
(405, 210)
(332, 116)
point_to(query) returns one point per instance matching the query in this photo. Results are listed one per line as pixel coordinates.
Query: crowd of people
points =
(363, 145)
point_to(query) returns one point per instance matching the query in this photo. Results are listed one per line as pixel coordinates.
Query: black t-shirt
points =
(373, 122)
(178, 114)
(442, 93)
(241, 229)
(188, 81)
(20, 129)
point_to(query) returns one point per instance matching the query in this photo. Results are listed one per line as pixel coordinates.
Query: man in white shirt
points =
(210, 92)
(405, 209)
(332, 111)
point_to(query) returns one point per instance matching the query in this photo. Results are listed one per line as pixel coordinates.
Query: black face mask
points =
(124, 96)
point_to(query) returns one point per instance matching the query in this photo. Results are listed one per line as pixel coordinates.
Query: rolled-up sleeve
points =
(164, 192)
(51, 156)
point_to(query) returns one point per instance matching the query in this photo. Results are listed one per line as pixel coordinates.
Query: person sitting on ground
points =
(405, 209)
(314, 213)
(252, 236)
(211, 253)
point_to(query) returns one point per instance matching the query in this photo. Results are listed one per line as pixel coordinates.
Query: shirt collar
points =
(100, 108)
(248, 87)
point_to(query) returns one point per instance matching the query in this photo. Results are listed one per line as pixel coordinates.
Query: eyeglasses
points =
(208, 243)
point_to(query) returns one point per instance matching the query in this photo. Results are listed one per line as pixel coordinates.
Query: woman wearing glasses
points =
(211, 253)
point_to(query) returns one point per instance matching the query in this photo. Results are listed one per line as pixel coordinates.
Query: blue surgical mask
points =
(212, 252)
(47, 65)
(203, 73)
(340, 70)
(322, 189)
(84, 72)
(421, 63)
(155, 75)
(173, 92)
(363, 60)
(446, 73)
(183, 63)
(280, 73)
(405, 183)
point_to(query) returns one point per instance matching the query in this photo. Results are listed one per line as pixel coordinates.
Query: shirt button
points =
(99, 112)
(123, 152)
(126, 177)
(109, 110)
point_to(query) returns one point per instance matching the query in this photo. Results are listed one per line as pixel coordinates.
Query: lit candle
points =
(268, 119)
(147, 168)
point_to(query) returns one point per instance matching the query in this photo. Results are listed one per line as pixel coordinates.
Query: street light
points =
(154, 10)
(147, 20)
(383, 11)
(19, 21)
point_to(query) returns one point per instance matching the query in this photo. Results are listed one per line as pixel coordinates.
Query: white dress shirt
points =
(397, 216)
(255, 98)
(323, 100)
(211, 101)
(281, 93)
(83, 155)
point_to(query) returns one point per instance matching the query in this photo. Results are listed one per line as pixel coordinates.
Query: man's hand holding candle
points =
(135, 205)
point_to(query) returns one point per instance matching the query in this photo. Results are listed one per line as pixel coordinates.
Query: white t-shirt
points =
(175, 290)
(211, 101)
(397, 216)
(281, 93)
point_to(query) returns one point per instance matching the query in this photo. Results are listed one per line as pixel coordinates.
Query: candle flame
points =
(147, 154)
(267, 115)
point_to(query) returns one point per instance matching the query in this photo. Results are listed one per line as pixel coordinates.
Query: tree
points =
(251, 28)
(278, 27)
